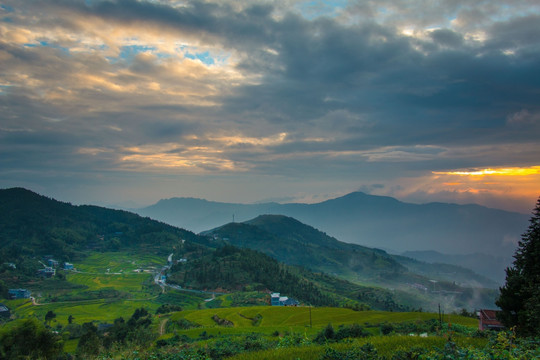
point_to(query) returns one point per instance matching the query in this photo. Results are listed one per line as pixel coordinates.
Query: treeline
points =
(231, 268)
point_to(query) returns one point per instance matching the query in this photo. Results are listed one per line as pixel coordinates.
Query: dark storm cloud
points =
(321, 66)
(447, 37)
(376, 87)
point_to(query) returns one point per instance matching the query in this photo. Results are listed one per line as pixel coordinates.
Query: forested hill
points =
(34, 225)
(293, 242)
(233, 269)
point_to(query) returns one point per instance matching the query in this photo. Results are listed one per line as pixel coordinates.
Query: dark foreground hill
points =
(34, 225)
(374, 221)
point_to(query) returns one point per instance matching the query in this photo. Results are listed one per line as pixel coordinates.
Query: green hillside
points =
(415, 284)
(34, 225)
(214, 303)
(233, 269)
(292, 242)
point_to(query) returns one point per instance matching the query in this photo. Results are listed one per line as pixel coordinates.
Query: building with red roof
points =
(488, 320)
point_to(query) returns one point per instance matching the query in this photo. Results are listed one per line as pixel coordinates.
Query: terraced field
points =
(300, 316)
(106, 287)
(103, 288)
(296, 319)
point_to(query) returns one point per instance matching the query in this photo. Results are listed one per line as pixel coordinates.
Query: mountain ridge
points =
(374, 221)
(293, 242)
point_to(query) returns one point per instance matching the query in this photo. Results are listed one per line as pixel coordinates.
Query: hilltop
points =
(293, 242)
(32, 224)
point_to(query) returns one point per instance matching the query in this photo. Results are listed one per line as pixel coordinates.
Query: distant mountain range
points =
(374, 221)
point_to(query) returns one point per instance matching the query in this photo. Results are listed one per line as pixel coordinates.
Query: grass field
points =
(84, 311)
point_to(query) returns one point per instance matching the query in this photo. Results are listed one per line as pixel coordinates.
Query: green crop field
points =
(385, 346)
(296, 319)
(107, 286)
(300, 316)
(104, 287)
(115, 262)
(131, 283)
(84, 311)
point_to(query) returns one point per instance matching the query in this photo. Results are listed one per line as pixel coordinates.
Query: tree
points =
(49, 316)
(519, 298)
(90, 342)
(28, 339)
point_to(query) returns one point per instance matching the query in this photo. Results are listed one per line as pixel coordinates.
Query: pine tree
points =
(519, 298)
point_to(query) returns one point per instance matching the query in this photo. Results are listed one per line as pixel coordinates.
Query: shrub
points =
(167, 308)
(365, 352)
(386, 328)
(325, 335)
(351, 331)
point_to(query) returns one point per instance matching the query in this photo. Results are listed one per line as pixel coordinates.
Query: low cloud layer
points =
(294, 98)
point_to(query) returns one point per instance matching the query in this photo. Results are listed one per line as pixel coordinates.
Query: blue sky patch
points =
(204, 57)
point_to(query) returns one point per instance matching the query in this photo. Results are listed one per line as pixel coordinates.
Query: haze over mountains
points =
(376, 221)
(292, 242)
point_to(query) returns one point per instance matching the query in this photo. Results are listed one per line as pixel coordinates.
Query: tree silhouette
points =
(49, 316)
(520, 296)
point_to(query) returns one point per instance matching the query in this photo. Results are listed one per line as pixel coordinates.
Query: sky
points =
(126, 102)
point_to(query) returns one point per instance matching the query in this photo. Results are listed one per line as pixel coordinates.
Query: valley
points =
(212, 290)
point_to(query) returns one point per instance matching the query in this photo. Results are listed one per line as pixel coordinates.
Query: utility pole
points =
(440, 317)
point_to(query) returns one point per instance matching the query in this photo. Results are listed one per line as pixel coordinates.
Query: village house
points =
(19, 294)
(53, 263)
(277, 300)
(488, 320)
(4, 311)
(47, 272)
(68, 266)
